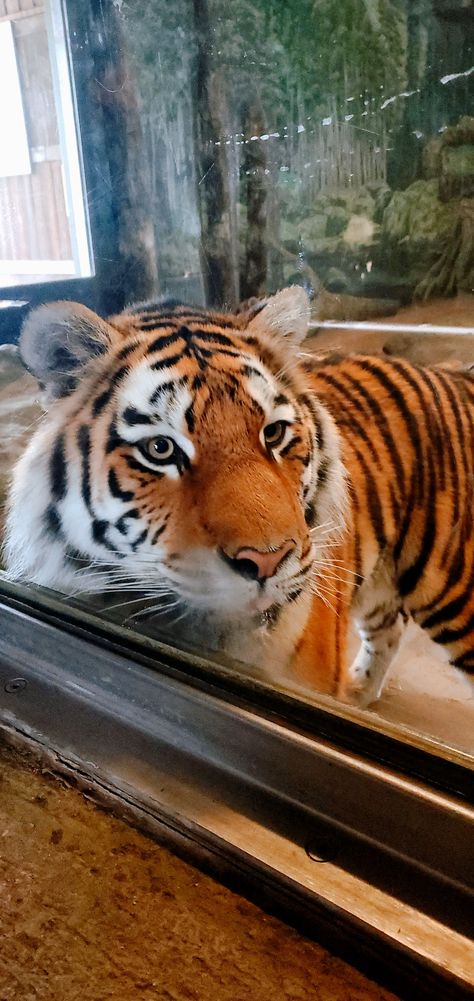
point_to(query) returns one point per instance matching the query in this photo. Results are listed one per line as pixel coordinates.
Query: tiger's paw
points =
(364, 684)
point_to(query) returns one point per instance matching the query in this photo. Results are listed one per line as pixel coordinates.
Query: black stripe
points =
(410, 577)
(293, 595)
(465, 661)
(358, 543)
(310, 513)
(307, 400)
(199, 349)
(121, 525)
(190, 419)
(407, 519)
(386, 622)
(456, 573)
(84, 443)
(453, 635)
(396, 394)
(295, 440)
(52, 521)
(132, 463)
(159, 324)
(157, 534)
(164, 341)
(374, 612)
(436, 425)
(116, 489)
(448, 612)
(99, 528)
(216, 338)
(382, 422)
(373, 500)
(166, 362)
(127, 350)
(57, 469)
(351, 421)
(104, 398)
(113, 439)
(132, 417)
(141, 538)
(323, 472)
(167, 387)
(448, 388)
(249, 370)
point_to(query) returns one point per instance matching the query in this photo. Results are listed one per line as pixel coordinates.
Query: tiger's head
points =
(183, 452)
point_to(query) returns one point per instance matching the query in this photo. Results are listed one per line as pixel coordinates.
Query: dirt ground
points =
(91, 909)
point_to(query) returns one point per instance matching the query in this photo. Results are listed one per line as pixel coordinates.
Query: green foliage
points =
(161, 48)
(300, 55)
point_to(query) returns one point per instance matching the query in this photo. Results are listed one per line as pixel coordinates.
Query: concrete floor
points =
(92, 910)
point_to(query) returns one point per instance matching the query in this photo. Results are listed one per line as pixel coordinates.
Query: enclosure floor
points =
(423, 692)
(90, 908)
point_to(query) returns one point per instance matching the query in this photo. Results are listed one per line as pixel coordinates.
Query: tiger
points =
(274, 497)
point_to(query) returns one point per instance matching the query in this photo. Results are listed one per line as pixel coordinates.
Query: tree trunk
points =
(219, 238)
(253, 279)
(132, 273)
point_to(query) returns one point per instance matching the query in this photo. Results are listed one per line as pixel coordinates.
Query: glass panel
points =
(267, 144)
(43, 224)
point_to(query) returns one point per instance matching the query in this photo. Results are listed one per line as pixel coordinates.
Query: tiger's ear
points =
(285, 314)
(57, 342)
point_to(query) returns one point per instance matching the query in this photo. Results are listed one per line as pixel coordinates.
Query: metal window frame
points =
(79, 178)
(374, 862)
(92, 172)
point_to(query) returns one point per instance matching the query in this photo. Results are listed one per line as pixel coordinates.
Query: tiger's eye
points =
(274, 433)
(160, 449)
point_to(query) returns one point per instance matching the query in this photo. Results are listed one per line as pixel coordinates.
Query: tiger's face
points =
(184, 454)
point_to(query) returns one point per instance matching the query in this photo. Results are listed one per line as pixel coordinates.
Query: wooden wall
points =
(33, 218)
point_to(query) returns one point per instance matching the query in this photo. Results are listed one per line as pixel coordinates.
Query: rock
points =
(313, 228)
(417, 215)
(431, 159)
(360, 230)
(336, 280)
(327, 306)
(337, 220)
(382, 199)
(457, 172)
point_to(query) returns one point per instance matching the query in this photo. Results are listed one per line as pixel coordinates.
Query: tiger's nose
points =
(257, 565)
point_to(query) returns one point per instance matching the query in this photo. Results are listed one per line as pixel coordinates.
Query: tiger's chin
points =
(260, 633)
(248, 614)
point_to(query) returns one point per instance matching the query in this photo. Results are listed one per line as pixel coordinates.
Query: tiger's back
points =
(408, 437)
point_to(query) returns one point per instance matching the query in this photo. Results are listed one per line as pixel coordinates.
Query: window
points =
(43, 226)
(214, 154)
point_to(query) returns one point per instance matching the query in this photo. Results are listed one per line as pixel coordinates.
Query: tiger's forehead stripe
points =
(175, 363)
(167, 402)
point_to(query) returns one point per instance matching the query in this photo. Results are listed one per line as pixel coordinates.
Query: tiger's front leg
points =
(377, 614)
